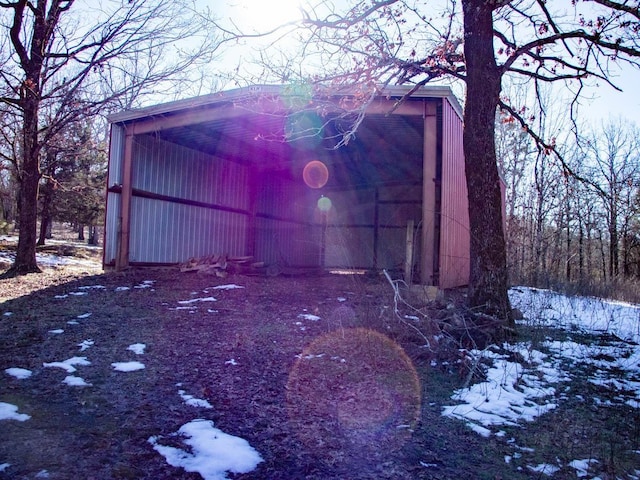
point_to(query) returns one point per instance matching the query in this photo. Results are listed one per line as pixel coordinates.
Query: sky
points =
(513, 393)
(602, 102)
(259, 15)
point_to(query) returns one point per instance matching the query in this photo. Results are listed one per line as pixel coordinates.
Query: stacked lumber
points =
(219, 265)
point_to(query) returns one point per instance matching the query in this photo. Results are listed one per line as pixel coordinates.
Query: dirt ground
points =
(347, 395)
(317, 373)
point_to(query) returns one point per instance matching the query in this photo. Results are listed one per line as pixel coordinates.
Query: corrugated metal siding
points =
(454, 242)
(367, 228)
(287, 223)
(111, 225)
(169, 169)
(114, 177)
(287, 243)
(116, 154)
(349, 247)
(349, 240)
(396, 206)
(165, 231)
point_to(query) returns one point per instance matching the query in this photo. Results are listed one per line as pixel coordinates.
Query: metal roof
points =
(385, 149)
(234, 95)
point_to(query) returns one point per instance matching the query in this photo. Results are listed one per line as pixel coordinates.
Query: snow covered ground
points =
(522, 382)
(48, 259)
(518, 392)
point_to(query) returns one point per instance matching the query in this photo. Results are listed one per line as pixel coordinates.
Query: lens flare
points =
(324, 204)
(315, 174)
(354, 389)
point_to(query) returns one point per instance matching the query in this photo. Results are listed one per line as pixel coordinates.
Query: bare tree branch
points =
(52, 64)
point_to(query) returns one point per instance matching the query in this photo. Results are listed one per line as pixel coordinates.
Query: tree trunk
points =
(580, 251)
(603, 256)
(44, 226)
(540, 249)
(45, 214)
(29, 179)
(488, 281)
(568, 255)
(590, 271)
(93, 235)
(613, 239)
(625, 256)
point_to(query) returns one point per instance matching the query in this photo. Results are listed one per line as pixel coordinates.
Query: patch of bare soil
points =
(312, 371)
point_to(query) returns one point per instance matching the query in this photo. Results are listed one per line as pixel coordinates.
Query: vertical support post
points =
(376, 227)
(323, 239)
(429, 153)
(122, 256)
(252, 188)
(408, 263)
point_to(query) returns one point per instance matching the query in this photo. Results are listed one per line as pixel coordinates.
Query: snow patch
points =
(85, 344)
(230, 286)
(137, 348)
(193, 401)
(69, 364)
(19, 373)
(582, 466)
(510, 394)
(195, 300)
(74, 381)
(10, 412)
(544, 468)
(210, 452)
(127, 366)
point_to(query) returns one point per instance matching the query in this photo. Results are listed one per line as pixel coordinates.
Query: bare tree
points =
(78, 62)
(615, 171)
(537, 192)
(481, 42)
(7, 173)
(565, 232)
(632, 242)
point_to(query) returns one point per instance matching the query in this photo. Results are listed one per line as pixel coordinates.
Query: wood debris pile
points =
(220, 265)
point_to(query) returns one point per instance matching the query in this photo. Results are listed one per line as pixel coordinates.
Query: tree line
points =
(578, 231)
(72, 171)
